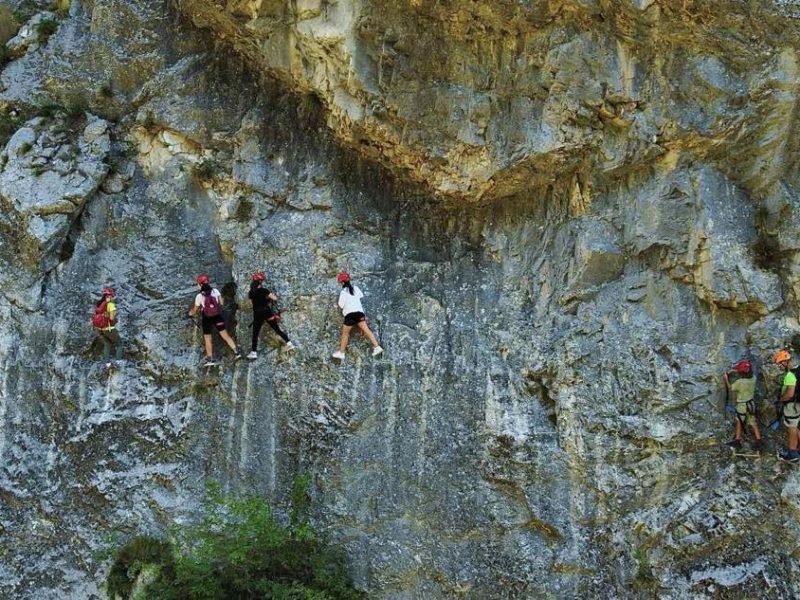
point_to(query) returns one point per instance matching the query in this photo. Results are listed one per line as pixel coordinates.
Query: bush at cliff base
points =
(237, 551)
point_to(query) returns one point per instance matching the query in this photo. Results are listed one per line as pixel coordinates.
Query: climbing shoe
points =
(790, 456)
(377, 350)
(237, 354)
(338, 355)
(734, 444)
(210, 362)
(253, 355)
(758, 444)
(110, 364)
(290, 346)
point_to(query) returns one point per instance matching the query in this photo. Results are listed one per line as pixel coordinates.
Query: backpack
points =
(211, 307)
(101, 320)
(796, 397)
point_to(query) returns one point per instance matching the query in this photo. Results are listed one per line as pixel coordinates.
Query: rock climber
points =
(791, 404)
(105, 321)
(264, 311)
(743, 389)
(209, 302)
(350, 303)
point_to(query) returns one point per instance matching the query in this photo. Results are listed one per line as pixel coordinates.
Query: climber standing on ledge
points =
(105, 321)
(264, 312)
(744, 390)
(350, 303)
(209, 302)
(791, 404)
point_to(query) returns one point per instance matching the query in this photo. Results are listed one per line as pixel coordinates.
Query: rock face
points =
(568, 218)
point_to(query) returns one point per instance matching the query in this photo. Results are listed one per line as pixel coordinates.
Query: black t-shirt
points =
(261, 301)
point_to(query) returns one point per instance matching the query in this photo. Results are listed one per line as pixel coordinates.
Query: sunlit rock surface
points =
(568, 218)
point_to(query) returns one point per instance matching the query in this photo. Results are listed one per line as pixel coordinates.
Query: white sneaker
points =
(338, 354)
(377, 350)
(110, 365)
(290, 346)
(253, 355)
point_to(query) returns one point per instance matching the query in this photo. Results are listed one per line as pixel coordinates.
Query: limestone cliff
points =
(568, 216)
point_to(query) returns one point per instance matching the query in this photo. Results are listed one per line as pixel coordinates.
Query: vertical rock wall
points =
(568, 218)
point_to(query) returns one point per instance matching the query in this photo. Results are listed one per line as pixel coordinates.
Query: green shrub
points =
(25, 148)
(49, 109)
(44, 29)
(132, 558)
(244, 210)
(238, 551)
(203, 170)
(75, 110)
(106, 91)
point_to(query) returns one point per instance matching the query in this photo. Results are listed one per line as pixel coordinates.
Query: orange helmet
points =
(782, 356)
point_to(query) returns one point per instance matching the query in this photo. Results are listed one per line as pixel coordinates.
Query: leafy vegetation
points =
(73, 110)
(238, 551)
(44, 29)
(106, 91)
(204, 170)
(244, 210)
(766, 249)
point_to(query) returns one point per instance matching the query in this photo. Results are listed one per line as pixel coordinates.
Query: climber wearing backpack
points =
(743, 390)
(790, 403)
(350, 303)
(264, 311)
(209, 303)
(105, 321)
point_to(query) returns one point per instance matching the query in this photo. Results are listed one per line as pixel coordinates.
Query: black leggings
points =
(258, 322)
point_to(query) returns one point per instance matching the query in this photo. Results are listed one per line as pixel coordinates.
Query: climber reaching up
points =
(743, 390)
(264, 311)
(791, 404)
(105, 321)
(353, 311)
(209, 303)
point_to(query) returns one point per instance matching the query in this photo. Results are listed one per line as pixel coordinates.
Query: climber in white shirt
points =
(350, 303)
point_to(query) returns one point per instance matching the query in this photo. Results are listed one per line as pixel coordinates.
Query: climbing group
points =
(209, 304)
(741, 398)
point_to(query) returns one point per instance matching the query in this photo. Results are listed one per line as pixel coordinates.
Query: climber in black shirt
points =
(264, 311)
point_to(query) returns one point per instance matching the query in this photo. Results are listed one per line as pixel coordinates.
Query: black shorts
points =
(210, 322)
(354, 318)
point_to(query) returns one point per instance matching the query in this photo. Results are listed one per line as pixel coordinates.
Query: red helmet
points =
(744, 367)
(259, 276)
(343, 277)
(107, 291)
(201, 279)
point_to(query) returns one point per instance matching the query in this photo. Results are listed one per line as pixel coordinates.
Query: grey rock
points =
(547, 415)
(23, 137)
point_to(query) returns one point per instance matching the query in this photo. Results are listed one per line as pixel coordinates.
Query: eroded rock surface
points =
(568, 218)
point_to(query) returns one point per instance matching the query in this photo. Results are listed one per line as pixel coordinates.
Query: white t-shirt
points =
(199, 300)
(351, 303)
